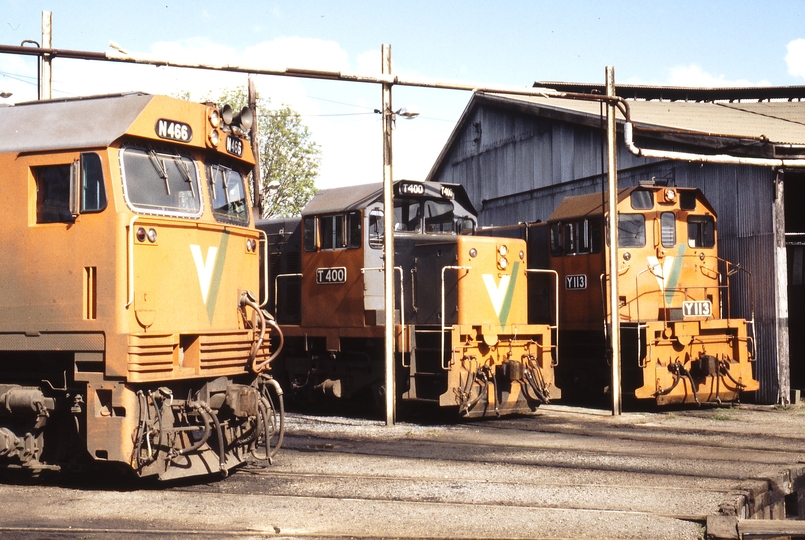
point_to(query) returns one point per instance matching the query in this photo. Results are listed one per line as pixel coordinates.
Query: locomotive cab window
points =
(65, 191)
(557, 247)
(53, 194)
(687, 200)
(631, 230)
(407, 215)
(160, 182)
(309, 229)
(438, 217)
(331, 232)
(376, 229)
(642, 199)
(340, 231)
(701, 231)
(668, 229)
(354, 234)
(576, 237)
(228, 194)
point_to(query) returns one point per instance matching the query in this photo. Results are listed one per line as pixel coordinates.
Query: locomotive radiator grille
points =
(155, 357)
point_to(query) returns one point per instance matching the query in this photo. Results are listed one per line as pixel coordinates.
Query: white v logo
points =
(497, 293)
(204, 268)
(661, 272)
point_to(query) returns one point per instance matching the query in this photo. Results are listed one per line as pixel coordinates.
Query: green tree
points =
(289, 157)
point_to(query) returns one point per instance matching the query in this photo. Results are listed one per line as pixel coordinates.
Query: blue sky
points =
(691, 43)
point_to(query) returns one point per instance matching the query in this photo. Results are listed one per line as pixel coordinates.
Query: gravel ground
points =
(563, 472)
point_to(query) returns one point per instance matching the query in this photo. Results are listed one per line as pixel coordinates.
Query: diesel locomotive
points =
(462, 338)
(130, 329)
(678, 343)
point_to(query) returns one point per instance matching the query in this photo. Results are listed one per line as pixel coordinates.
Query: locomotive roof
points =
(84, 122)
(591, 204)
(344, 199)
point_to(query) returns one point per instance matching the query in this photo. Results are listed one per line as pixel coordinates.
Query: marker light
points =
(214, 137)
(215, 118)
(152, 235)
(141, 234)
(473, 252)
(627, 256)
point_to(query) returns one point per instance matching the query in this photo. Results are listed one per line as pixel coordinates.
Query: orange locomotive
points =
(462, 335)
(676, 344)
(128, 332)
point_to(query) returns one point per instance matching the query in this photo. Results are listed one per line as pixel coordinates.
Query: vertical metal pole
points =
(47, 43)
(614, 303)
(256, 178)
(388, 238)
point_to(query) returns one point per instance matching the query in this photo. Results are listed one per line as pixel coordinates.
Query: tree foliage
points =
(289, 157)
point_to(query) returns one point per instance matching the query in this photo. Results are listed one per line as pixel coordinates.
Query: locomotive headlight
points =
(627, 256)
(152, 235)
(670, 195)
(141, 234)
(503, 250)
(473, 252)
(503, 263)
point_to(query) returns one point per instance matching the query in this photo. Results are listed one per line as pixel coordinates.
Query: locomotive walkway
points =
(562, 472)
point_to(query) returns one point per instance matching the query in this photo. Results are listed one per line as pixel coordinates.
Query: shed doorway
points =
(794, 197)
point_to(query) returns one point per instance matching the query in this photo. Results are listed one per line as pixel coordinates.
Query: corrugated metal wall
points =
(517, 167)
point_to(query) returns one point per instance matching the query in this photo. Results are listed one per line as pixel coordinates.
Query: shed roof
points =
(777, 122)
(89, 122)
(707, 124)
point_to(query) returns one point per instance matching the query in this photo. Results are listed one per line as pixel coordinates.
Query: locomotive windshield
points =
(429, 216)
(228, 194)
(163, 182)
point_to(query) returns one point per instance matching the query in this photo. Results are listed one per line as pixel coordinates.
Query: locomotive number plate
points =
(327, 276)
(700, 308)
(173, 130)
(576, 282)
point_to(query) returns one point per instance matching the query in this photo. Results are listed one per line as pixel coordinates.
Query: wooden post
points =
(257, 180)
(614, 303)
(388, 244)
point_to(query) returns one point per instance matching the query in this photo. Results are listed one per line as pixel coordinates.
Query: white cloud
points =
(693, 75)
(351, 144)
(795, 59)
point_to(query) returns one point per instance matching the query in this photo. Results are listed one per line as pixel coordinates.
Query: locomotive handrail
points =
(751, 321)
(265, 270)
(441, 336)
(555, 327)
(130, 273)
(276, 287)
(402, 308)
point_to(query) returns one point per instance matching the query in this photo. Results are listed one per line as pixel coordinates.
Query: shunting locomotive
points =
(678, 343)
(462, 337)
(129, 333)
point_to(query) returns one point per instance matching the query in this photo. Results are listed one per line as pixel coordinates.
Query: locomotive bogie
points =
(493, 373)
(697, 362)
